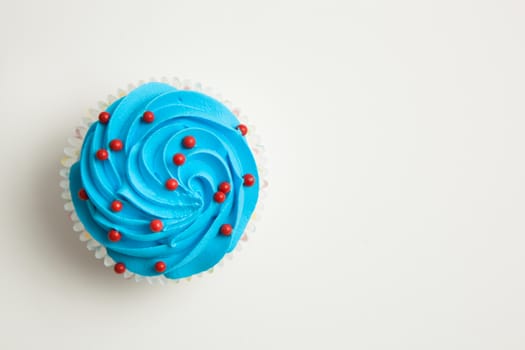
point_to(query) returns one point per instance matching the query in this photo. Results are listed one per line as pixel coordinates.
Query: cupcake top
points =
(165, 181)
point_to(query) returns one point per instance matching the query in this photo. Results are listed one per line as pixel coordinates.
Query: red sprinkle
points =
(116, 145)
(148, 117)
(82, 194)
(103, 117)
(179, 159)
(156, 225)
(249, 180)
(189, 142)
(172, 184)
(243, 129)
(102, 154)
(116, 205)
(160, 266)
(226, 229)
(219, 197)
(119, 268)
(114, 235)
(225, 187)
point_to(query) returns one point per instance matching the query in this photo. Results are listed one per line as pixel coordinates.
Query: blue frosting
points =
(190, 241)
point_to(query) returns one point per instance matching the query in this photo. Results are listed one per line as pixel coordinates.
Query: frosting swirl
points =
(166, 211)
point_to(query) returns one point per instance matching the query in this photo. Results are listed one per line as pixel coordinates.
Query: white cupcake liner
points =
(72, 153)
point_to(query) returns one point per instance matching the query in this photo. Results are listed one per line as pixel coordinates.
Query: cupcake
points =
(163, 183)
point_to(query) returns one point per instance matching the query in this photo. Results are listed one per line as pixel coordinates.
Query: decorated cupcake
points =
(163, 184)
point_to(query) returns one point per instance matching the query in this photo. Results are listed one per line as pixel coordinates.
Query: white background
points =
(395, 134)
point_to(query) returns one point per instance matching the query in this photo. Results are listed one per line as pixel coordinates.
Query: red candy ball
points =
(225, 187)
(160, 266)
(219, 197)
(156, 225)
(148, 117)
(226, 229)
(243, 129)
(119, 268)
(116, 145)
(102, 154)
(189, 142)
(179, 159)
(249, 180)
(116, 205)
(82, 194)
(114, 235)
(103, 117)
(172, 184)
